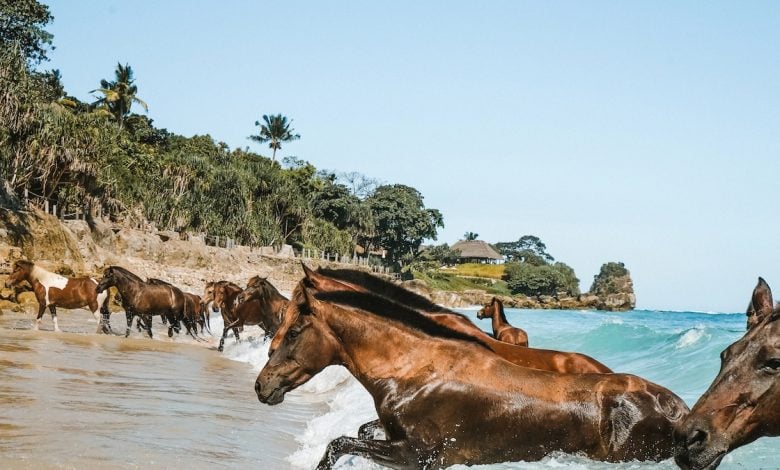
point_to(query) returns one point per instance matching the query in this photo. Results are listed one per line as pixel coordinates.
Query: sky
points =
(641, 132)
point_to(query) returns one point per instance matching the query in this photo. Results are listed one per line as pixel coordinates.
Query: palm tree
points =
(119, 95)
(470, 236)
(275, 130)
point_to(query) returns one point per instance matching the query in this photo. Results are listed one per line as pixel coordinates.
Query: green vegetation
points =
(439, 280)
(103, 156)
(275, 131)
(612, 278)
(119, 94)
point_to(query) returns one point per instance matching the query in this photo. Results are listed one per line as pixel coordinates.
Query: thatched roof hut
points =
(476, 251)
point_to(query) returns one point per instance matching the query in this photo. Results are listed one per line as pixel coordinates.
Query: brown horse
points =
(259, 304)
(52, 290)
(445, 398)
(224, 295)
(543, 359)
(743, 402)
(146, 299)
(502, 330)
(199, 313)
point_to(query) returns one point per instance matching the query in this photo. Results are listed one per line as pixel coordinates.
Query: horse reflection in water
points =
(743, 402)
(444, 397)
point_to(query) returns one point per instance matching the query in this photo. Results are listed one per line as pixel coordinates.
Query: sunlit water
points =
(78, 400)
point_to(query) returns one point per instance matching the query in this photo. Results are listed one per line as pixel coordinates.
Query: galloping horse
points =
(259, 304)
(445, 398)
(52, 290)
(743, 402)
(543, 359)
(146, 299)
(502, 330)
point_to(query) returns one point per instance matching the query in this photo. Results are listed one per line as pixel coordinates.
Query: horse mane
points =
(386, 308)
(501, 310)
(127, 273)
(27, 264)
(159, 282)
(387, 289)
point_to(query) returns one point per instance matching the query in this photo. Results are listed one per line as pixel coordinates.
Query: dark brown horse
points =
(146, 299)
(543, 359)
(52, 290)
(200, 314)
(260, 304)
(502, 330)
(224, 295)
(445, 398)
(743, 402)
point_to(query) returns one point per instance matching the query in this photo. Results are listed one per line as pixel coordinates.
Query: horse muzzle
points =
(270, 395)
(695, 447)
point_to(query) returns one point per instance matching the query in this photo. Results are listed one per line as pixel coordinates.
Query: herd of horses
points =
(445, 391)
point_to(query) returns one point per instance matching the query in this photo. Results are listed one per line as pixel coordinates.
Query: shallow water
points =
(78, 400)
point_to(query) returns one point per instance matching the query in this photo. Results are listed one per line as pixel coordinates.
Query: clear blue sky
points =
(645, 132)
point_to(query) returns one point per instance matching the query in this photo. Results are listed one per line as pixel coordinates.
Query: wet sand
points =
(80, 400)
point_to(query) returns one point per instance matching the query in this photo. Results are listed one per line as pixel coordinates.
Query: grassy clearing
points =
(492, 271)
(449, 281)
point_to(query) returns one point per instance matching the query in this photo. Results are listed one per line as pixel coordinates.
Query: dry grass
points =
(492, 271)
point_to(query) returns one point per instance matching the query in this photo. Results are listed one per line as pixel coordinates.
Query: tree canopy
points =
(22, 23)
(531, 271)
(274, 129)
(402, 221)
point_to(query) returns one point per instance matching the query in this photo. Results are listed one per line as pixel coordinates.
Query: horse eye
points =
(772, 366)
(293, 334)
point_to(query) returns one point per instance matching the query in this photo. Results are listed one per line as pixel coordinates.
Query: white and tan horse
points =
(53, 290)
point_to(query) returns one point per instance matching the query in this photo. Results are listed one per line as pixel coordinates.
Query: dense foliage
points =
(612, 278)
(531, 271)
(102, 156)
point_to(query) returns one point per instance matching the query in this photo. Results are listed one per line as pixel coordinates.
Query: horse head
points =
(743, 402)
(303, 345)
(487, 310)
(109, 279)
(21, 272)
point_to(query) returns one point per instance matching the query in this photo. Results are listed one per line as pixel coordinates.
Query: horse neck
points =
(39, 275)
(368, 357)
(127, 286)
(498, 317)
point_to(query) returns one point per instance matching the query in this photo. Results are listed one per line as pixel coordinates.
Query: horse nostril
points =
(696, 437)
(257, 388)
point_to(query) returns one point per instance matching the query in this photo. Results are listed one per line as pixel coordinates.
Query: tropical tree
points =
(402, 221)
(470, 236)
(22, 22)
(275, 131)
(119, 95)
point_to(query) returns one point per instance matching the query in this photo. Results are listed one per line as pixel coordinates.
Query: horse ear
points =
(761, 304)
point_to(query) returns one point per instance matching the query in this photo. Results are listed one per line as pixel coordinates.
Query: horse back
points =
(77, 292)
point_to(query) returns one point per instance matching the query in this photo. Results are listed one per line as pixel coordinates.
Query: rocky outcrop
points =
(614, 287)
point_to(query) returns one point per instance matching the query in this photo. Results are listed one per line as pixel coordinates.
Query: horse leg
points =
(129, 316)
(389, 454)
(148, 321)
(368, 430)
(53, 311)
(41, 310)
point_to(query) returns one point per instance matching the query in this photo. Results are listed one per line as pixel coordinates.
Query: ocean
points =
(77, 399)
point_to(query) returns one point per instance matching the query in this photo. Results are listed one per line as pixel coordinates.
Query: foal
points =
(502, 330)
(52, 290)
